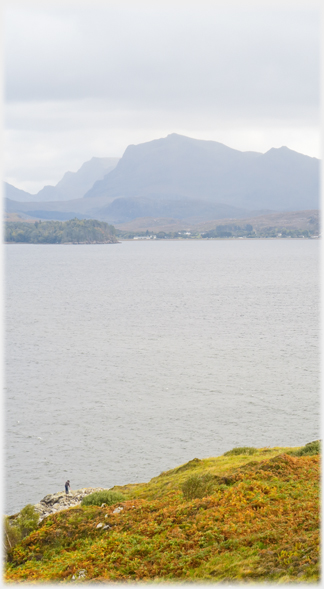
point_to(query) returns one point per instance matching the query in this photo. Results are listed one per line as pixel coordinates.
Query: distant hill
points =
(72, 186)
(299, 220)
(178, 167)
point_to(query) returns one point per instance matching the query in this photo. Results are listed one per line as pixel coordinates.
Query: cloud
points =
(165, 57)
(84, 80)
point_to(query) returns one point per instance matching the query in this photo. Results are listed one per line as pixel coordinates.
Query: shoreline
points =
(55, 502)
(64, 243)
(169, 239)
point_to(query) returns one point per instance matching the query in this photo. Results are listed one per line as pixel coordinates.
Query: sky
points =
(84, 79)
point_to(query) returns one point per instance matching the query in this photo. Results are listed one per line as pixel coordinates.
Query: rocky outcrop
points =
(59, 501)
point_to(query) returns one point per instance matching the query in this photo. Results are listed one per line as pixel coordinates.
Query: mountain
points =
(75, 184)
(178, 167)
(179, 177)
(72, 186)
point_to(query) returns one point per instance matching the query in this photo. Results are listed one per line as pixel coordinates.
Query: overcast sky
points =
(86, 79)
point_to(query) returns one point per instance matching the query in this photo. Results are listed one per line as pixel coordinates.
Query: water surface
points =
(126, 360)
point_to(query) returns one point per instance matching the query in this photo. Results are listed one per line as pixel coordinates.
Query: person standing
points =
(67, 486)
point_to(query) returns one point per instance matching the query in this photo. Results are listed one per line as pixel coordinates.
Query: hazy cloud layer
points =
(90, 80)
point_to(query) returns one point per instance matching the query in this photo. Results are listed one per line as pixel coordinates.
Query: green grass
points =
(100, 497)
(243, 450)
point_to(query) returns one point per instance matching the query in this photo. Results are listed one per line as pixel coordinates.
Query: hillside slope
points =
(250, 515)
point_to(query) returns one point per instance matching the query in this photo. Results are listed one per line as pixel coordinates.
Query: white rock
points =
(99, 526)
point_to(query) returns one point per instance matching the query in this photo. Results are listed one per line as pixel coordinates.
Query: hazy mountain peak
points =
(72, 186)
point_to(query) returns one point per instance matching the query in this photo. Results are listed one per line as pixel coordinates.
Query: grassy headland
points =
(249, 515)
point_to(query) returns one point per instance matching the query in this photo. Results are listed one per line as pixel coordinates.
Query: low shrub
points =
(196, 487)
(11, 535)
(310, 449)
(27, 520)
(20, 527)
(100, 497)
(243, 450)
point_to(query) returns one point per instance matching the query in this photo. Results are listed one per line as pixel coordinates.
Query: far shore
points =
(170, 239)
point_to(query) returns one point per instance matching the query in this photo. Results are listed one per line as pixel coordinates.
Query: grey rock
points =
(47, 499)
(60, 501)
(80, 575)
